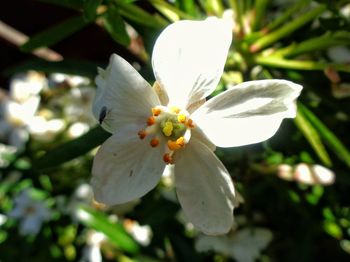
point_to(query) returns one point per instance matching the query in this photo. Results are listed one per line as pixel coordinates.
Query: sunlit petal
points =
(125, 168)
(204, 188)
(189, 57)
(123, 96)
(247, 113)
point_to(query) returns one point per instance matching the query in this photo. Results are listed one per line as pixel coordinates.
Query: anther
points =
(142, 134)
(181, 118)
(154, 142)
(190, 123)
(167, 158)
(151, 120)
(175, 145)
(156, 111)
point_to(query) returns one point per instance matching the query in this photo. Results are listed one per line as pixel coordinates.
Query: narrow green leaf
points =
(138, 15)
(169, 11)
(56, 33)
(90, 7)
(114, 24)
(280, 62)
(287, 14)
(312, 136)
(259, 8)
(72, 149)
(114, 231)
(287, 29)
(327, 40)
(327, 135)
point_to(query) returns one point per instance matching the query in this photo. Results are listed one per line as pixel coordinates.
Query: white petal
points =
(204, 188)
(189, 57)
(125, 168)
(123, 96)
(248, 113)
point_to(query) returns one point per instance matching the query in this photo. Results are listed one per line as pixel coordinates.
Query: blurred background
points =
(294, 202)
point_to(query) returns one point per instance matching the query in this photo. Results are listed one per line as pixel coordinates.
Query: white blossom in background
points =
(92, 250)
(141, 233)
(243, 245)
(30, 212)
(172, 124)
(3, 219)
(308, 174)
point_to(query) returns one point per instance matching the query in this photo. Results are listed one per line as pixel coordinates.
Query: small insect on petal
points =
(102, 115)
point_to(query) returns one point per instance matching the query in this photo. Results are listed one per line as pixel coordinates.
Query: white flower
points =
(31, 212)
(244, 245)
(172, 124)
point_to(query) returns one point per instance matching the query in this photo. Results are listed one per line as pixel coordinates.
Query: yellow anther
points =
(154, 142)
(156, 111)
(151, 120)
(175, 145)
(168, 128)
(175, 109)
(181, 118)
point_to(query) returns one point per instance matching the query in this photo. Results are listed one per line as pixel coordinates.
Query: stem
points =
(259, 8)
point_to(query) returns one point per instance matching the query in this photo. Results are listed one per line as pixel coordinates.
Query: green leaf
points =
(115, 26)
(55, 34)
(138, 15)
(327, 135)
(90, 7)
(71, 67)
(286, 29)
(169, 11)
(114, 231)
(317, 43)
(72, 149)
(312, 137)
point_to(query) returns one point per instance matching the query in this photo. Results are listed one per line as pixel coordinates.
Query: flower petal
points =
(123, 96)
(204, 188)
(189, 57)
(126, 168)
(248, 113)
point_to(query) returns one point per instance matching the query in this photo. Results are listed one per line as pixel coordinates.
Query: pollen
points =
(167, 158)
(168, 128)
(181, 118)
(151, 120)
(154, 142)
(156, 111)
(142, 134)
(177, 144)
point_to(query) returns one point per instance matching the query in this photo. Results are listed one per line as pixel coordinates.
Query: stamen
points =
(156, 111)
(181, 118)
(175, 145)
(168, 128)
(154, 142)
(190, 123)
(142, 134)
(151, 120)
(167, 158)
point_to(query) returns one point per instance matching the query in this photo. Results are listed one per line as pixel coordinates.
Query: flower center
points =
(170, 127)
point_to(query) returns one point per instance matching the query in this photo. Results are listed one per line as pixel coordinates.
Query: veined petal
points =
(204, 188)
(125, 168)
(123, 96)
(248, 113)
(189, 57)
